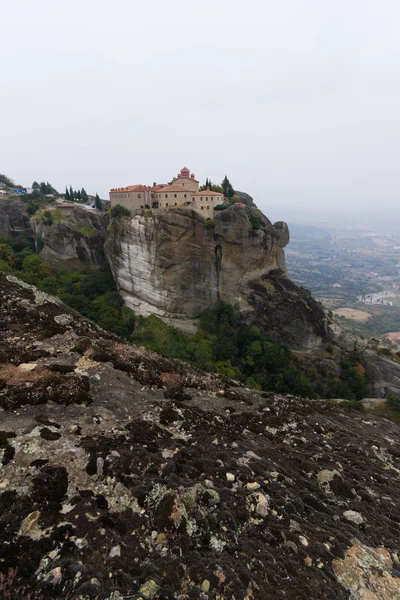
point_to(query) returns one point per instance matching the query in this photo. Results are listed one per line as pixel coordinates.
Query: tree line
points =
(225, 188)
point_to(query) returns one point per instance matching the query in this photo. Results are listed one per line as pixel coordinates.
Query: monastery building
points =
(182, 191)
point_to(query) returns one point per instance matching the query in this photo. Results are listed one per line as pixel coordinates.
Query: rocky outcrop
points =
(384, 373)
(14, 218)
(344, 340)
(176, 265)
(74, 239)
(127, 475)
(286, 313)
(245, 199)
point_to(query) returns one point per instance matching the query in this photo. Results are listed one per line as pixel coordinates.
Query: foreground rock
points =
(126, 475)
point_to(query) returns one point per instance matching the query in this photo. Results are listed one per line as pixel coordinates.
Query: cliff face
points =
(76, 241)
(286, 313)
(127, 475)
(174, 265)
(13, 217)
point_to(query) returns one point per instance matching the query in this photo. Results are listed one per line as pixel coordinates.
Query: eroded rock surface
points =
(175, 266)
(14, 218)
(286, 313)
(126, 475)
(76, 241)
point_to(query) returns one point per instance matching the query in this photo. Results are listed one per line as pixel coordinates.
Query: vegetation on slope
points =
(223, 344)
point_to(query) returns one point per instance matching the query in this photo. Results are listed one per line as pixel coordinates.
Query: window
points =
(139, 195)
(193, 199)
(202, 208)
(166, 195)
(166, 204)
(141, 206)
(176, 204)
(207, 198)
(174, 195)
(184, 195)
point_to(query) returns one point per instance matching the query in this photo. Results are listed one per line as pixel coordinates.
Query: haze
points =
(296, 101)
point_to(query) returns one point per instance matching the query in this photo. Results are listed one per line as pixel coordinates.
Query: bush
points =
(385, 351)
(393, 401)
(47, 217)
(353, 405)
(118, 211)
(256, 222)
(208, 224)
(222, 206)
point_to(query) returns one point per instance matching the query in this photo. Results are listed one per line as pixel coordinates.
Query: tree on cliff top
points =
(227, 187)
(6, 181)
(97, 202)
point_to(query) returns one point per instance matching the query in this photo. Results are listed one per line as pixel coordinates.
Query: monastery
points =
(182, 191)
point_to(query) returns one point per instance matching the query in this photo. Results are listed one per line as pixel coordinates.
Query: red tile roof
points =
(176, 188)
(180, 176)
(131, 188)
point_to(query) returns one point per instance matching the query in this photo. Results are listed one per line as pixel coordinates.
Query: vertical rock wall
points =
(176, 265)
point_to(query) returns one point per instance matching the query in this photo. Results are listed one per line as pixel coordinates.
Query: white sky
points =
(297, 101)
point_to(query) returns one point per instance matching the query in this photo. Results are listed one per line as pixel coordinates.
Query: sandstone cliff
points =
(74, 239)
(176, 265)
(126, 475)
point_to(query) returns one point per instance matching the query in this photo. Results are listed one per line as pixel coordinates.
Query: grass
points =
(386, 411)
(88, 231)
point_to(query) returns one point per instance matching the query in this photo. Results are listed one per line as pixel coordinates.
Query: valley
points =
(354, 271)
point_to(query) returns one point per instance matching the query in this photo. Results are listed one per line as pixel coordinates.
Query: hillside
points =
(126, 475)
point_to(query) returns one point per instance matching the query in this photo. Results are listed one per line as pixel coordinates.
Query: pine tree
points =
(97, 202)
(35, 185)
(84, 195)
(71, 193)
(43, 188)
(78, 195)
(67, 196)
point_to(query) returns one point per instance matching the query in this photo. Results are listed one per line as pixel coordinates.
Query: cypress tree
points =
(227, 187)
(84, 195)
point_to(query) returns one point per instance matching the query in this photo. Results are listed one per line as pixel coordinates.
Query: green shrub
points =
(118, 211)
(222, 206)
(353, 405)
(256, 222)
(385, 351)
(208, 224)
(393, 401)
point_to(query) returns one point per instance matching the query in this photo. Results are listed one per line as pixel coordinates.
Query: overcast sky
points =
(297, 101)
